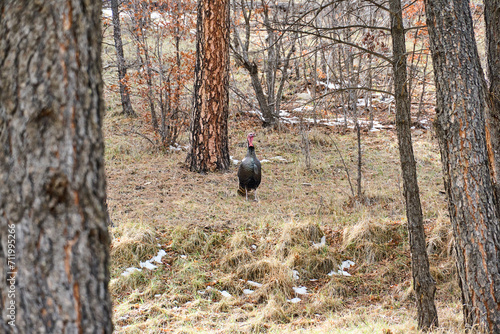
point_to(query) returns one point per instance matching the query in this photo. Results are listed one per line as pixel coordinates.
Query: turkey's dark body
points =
(249, 173)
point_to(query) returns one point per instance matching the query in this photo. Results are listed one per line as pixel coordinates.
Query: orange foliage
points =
(162, 35)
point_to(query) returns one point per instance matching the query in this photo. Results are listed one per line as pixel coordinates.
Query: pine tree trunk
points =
(120, 59)
(209, 132)
(460, 126)
(423, 283)
(52, 193)
(492, 24)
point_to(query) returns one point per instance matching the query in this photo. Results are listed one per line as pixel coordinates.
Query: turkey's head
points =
(250, 139)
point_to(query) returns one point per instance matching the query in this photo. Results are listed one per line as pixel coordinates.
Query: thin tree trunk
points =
(209, 131)
(241, 52)
(422, 95)
(262, 98)
(360, 163)
(423, 283)
(461, 131)
(284, 77)
(52, 194)
(272, 59)
(122, 70)
(149, 76)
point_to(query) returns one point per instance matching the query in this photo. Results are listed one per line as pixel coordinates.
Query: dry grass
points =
(216, 241)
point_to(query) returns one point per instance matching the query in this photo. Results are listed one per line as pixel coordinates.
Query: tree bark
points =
(120, 59)
(423, 283)
(461, 131)
(492, 25)
(52, 198)
(209, 132)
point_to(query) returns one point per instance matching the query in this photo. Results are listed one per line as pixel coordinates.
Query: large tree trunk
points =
(120, 59)
(52, 194)
(461, 131)
(492, 24)
(209, 132)
(423, 283)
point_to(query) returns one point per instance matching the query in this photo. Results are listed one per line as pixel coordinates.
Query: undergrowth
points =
(234, 266)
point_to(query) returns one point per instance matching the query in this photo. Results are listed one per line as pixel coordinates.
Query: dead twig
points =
(345, 166)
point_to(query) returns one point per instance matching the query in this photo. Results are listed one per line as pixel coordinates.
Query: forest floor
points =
(227, 265)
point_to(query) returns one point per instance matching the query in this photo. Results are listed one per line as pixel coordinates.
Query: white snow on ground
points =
(233, 160)
(301, 290)
(252, 283)
(130, 270)
(344, 266)
(226, 294)
(157, 258)
(321, 244)
(146, 264)
(294, 300)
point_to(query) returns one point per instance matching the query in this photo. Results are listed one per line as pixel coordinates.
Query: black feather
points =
(249, 172)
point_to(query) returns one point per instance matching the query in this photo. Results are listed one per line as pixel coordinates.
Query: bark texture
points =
(52, 167)
(209, 132)
(120, 60)
(492, 25)
(423, 283)
(462, 134)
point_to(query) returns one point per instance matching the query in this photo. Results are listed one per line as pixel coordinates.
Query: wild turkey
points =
(249, 173)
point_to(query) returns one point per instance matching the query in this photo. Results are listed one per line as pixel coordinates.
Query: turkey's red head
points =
(250, 139)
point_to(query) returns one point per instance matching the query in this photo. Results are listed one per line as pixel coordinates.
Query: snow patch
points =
(294, 300)
(146, 264)
(129, 271)
(344, 266)
(301, 290)
(226, 294)
(157, 258)
(233, 160)
(252, 283)
(321, 244)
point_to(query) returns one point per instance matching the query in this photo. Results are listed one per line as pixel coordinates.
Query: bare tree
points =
(120, 60)
(166, 66)
(275, 54)
(52, 198)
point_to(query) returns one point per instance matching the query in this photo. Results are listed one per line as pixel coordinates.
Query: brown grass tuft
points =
(440, 237)
(187, 240)
(236, 259)
(372, 240)
(133, 242)
(265, 269)
(301, 235)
